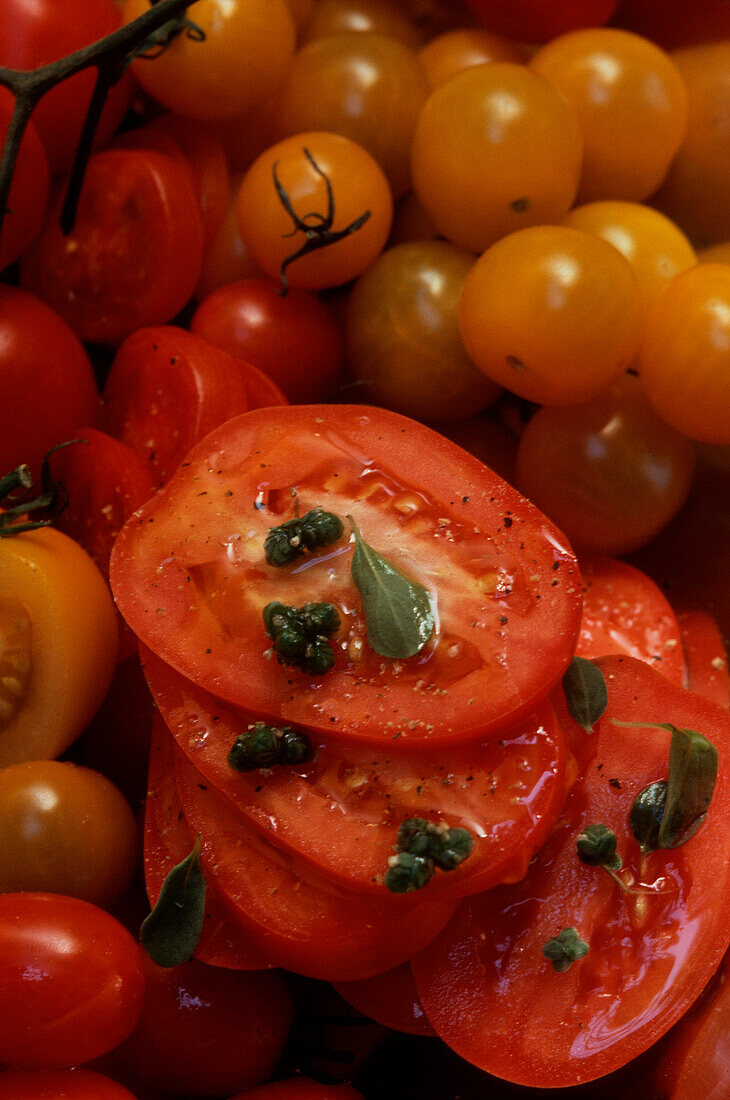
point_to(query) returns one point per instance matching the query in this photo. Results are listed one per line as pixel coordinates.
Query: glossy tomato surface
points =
(74, 978)
(190, 575)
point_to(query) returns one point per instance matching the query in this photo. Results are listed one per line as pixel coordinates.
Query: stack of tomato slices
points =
(469, 736)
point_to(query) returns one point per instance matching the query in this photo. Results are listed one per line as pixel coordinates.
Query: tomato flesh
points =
(190, 577)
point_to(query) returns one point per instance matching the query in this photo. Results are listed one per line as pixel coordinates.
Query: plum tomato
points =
(133, 257)
(58, 643)
(496, 148)
(292, 337)
(191, 577)
(46, 379)
(331, 209)
(68, 831)
(190, 1035)
(628, 957)
(74, 977)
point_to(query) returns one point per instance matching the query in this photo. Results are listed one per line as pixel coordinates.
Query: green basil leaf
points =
(585, 692)
(171, 932)
(691, 782)
(399, 613)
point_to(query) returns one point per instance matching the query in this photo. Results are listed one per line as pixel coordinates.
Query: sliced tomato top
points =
(507, 792)
(190, 576)
(485, 984)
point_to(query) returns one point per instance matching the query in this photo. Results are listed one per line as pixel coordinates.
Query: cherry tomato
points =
(693, 192)
(133, 257)
(74, 978)
(365, 16)
(632, 105)
(404, 349)
(485, 984)
(675, 24)
(245, 52)
(292, 337)
(656, 248)
(496, 148)
(435, 511)
(68, 830)
(368, 87)
(536, 21)
(447, 54)
(36, 32)
(332, 184)
(59, 643)
(684, 356)
(71, 1084)
(188, 1038)
(165, 390)
(552, 314)
(46, 379)
(299, 1088)
(610, 472)
(29, 189)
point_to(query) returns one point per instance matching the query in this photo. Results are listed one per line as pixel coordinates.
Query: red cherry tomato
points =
(293, 337)
(538, 20)
(73, 976)
(300, 1088)
(29, 189)
(71, 1084)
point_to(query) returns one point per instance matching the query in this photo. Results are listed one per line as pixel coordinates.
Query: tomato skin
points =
(133, 257)
(299, 1088)
(535, 21)
(50, 813)
(59, 619)
(188, 1036)
(29, 189)
(165, 390)
(293, 337)
(306, 446)
(74, 977)
(36, 32)
(705, 656)
(71, 1084)
(46, 378)
(391, 999)
(650, 955)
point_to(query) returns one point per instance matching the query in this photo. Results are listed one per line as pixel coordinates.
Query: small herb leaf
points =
(171, 932)
(692, 775)
(565, 949)
(399, 613)
(585, 692)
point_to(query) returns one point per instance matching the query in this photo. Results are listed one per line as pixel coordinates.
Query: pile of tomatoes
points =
(363, 554)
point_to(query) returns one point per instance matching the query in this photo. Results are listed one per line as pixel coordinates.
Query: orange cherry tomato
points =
(66, 830)
(609, 473)
(631, 102)
(496, 148)
(378, 16)
(684, 359)
(551, 313)
(447, 54)
(368, 87)
(656, 248)
(694, 193)
(58, 643)
(333, 186)
(402, 336)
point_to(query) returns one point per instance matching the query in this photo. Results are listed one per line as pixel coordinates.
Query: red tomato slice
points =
(507, 792)
(293, 916)
(190, 577)
(167, 842)
(484, 983)
(165, 390)
(705, 656)
(624, 611)
(391, 999)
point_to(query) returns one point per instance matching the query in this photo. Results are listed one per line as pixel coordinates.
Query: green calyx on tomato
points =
(264, 746)
(300, 634)
(50, 499)
(170, 933)
(163, 37)
(399, 611)
(565, 949)
(421, 847)
(317, 228)
(289, 541)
